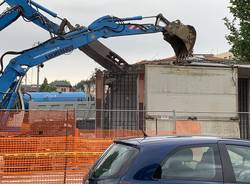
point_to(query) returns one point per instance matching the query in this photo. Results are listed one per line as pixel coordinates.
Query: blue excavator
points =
(65, 38)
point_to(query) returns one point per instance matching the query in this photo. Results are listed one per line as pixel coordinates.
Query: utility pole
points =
(38, 78)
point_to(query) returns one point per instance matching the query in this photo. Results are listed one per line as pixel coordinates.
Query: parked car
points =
(173, 160)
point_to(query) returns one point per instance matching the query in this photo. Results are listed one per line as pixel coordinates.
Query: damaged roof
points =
(196, 58)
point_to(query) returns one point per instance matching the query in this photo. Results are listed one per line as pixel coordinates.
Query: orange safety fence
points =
(47, 147)
(49, 153)
(37, 123)
(52, 157)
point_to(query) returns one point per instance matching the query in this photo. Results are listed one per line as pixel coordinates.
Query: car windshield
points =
(115, 162)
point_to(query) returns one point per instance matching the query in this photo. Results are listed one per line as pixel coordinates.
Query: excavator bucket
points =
(181, 37)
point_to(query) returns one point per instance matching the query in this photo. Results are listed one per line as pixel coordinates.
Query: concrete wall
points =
(191, 89)
(226, 128)
(195, 89)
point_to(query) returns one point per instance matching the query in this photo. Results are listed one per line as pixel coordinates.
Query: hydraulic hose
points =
(19, 52)
(8, 53)
(2, 3)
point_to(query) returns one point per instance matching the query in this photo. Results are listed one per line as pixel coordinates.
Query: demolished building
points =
(209, 90)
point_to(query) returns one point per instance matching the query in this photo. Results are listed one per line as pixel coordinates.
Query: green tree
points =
(85, 85)
(81, 85)
(239, 27)
(46, 87)
(63, 82)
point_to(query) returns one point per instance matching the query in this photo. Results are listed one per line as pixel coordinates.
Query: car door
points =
(236, 158)
(197, 164)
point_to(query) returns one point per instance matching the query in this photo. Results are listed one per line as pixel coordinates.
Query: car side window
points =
(240, 159)
(193, 163)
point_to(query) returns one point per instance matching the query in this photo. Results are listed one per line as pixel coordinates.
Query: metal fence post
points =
(174, 119)
(156, 126)
(66, 149)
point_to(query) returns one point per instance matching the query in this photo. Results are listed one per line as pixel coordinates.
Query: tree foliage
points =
(46, 87)
(63, 82)
(81, 85)
(239, 27)
(85, 85)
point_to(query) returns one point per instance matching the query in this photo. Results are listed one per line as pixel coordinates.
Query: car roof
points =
(177, 140)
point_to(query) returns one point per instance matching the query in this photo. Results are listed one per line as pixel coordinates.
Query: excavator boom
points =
(181, 37)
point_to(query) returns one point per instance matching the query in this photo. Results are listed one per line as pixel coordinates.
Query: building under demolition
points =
(157, 94)
(208, 96)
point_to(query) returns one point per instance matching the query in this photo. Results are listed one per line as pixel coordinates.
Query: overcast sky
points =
(205, 15)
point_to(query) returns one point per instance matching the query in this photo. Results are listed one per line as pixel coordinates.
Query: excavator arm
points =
(9, 16)
(32, 12)
(29, 10)
(104, 27)
(181, 37)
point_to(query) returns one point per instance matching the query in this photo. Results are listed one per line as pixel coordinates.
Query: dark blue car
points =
(174, 160)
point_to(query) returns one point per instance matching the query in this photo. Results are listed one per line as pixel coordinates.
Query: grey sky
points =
(205, 15)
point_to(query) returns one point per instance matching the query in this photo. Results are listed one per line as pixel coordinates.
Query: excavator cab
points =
(181, 37)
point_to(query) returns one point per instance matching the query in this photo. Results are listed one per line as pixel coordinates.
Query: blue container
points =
(54, 97)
